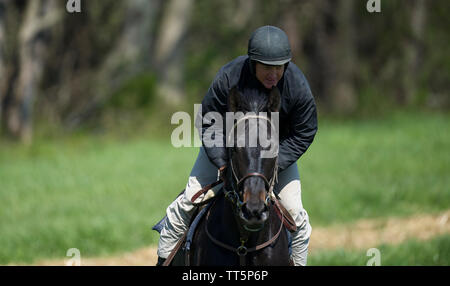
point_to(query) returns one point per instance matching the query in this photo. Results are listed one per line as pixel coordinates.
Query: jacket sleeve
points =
(211, 125)
(303, 128)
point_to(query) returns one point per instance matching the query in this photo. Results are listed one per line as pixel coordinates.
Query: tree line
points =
(66, 67)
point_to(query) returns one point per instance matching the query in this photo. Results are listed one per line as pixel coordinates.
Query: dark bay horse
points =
(241, 227)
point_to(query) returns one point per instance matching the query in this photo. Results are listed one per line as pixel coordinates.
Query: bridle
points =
(233, 196)
(236, 181)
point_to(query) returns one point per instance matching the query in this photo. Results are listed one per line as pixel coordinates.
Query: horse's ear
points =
(274, 100)
(233, 99)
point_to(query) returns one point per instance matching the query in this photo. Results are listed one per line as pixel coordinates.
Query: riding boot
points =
(160, 261)
(300, 242)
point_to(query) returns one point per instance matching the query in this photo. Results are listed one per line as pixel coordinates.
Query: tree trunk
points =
(345, 98)
(133, 49)
(289, 15)
(130, 56)
(336, 54)
(169, 53)
(3, 80)
(10, 17)
(413, 46)
(39, 16)
(240, 13)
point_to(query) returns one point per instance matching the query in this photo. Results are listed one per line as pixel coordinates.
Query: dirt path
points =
(363, 234)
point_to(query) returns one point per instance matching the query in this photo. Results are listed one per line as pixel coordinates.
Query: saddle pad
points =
(160, 225)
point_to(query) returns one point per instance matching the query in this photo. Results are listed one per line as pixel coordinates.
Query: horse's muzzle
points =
(254, 215)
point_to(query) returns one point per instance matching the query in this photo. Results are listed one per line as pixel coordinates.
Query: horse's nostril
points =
(246, 212)
(253, 211)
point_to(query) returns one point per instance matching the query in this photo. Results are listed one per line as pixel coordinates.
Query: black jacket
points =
(297, 115)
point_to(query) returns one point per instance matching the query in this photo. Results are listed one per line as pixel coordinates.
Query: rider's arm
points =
(215, 100)
(303, 125)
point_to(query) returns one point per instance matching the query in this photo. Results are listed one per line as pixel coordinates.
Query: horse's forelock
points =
(253, 100)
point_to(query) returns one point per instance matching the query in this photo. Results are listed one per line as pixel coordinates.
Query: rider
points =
(267, 64)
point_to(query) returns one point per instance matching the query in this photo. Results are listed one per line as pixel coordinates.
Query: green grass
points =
(99, 197)
(434, 252)
(397, 165)
(102, 194)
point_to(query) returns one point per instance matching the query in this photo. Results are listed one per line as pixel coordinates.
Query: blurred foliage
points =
(107, 58)
(136, 93)
(379, 40)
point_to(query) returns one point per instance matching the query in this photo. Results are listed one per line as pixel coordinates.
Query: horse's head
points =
(252, 143)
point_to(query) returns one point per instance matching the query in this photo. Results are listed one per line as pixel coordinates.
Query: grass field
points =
(102, 194)
(434, 252)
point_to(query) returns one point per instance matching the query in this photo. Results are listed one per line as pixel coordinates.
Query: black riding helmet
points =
(269, 45)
